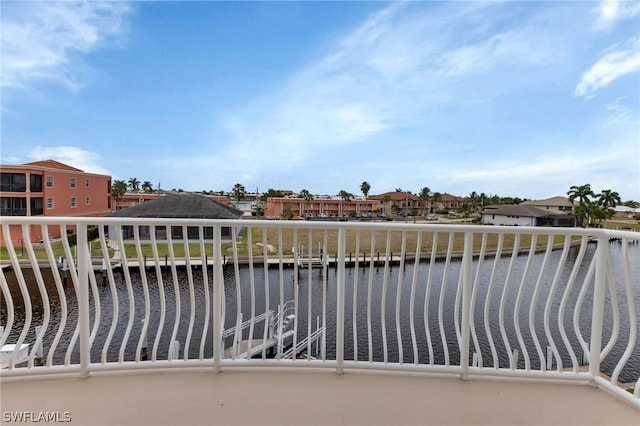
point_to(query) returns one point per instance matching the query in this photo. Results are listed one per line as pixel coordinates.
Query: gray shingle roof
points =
(184, 205)
(523, 211)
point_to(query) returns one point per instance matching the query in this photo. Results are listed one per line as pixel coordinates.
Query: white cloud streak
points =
(615, 63)
(43, 41)
(74, 156)
(384, 75)
(609, 12)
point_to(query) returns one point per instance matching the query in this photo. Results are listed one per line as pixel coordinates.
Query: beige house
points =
(554, 203)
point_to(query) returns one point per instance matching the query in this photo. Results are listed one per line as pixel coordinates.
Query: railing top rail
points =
(386, 225)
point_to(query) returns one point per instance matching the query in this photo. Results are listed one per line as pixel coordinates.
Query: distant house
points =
(524, 215)
(179, 206)
(553, 203)
(397, 202)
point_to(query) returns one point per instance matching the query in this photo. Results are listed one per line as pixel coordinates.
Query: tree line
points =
(590, 209)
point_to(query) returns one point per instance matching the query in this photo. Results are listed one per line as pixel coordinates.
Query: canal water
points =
(392, 314)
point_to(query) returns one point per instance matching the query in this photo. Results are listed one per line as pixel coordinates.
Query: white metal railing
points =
(463, 299)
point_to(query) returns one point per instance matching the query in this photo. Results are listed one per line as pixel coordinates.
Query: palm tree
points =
(238, 192)
(466, 210)
(118, 189)
(608, 199)
(483, 198)
(473, 199)
(306, 196)
(583, 211)
(365, 187)
(147, 186)
(346, 196)
(134, 184)
(581, 193)
(436, 198)
(424, 195)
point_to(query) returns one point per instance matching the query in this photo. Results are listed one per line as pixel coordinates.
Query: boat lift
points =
(280, 333)
(310, 259)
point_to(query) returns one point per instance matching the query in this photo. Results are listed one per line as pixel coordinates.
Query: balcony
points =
(316, 322)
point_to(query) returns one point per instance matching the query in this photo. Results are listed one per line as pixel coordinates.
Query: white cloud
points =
(70, 155)
(611, 11)
(517, 47)
(616, 62)
(42, 40)
(380, 77)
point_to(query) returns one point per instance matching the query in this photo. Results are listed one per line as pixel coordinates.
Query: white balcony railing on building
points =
(462, 299)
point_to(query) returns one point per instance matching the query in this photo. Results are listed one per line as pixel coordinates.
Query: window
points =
(87, 183)
(35, 183)
(49, 180)
(13, 206)
(13, 182)
(87, 201)
(72, 182)
(49, 203)
(74, 202)
(36, 206)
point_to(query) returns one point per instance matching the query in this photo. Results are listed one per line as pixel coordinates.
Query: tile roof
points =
(52, 164)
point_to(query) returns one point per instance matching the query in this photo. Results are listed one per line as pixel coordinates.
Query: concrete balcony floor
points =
(309, 397)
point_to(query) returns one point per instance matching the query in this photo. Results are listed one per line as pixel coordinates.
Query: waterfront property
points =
(525, 215)
(50, 188)
(535, 306)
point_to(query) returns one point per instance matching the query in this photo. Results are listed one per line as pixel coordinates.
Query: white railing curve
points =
(469, 300)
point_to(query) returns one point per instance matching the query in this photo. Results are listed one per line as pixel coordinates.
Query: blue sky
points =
(510, 98)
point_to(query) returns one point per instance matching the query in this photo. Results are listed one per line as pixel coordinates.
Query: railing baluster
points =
(551, 297)
(192, 296)
(465, 326)
(354, 313)
(633, 320)
(324, 299)
(534, 302)
(383, 302)
(176, 295)
(281, 295)
(513, 364)
(597, 316)
(205, 286)
(474, 298)
(72, 271)
(83, 300)
(369, 297)
(565, 299)
(412, 298)
(218, 298)
(518, 303)
(403, 253)
(43, 294)
(340, 305)
(443, 289)
(296, 291)
(488, 299)
(427, 295)
(267, 295)
(145, 292)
